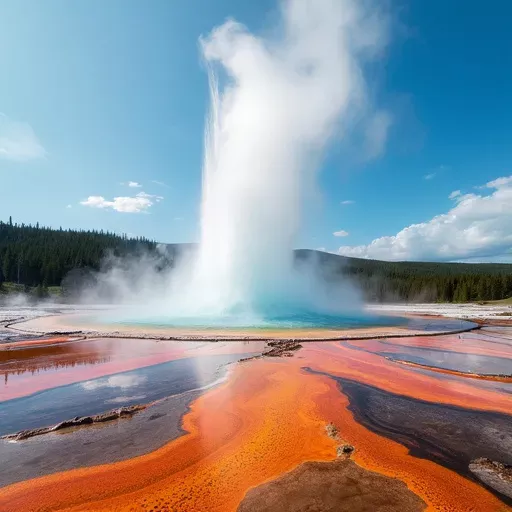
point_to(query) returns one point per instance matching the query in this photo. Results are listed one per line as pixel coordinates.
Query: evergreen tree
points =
(35, 255)
(8, 264)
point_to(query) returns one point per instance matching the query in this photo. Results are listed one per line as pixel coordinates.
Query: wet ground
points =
(225, 427)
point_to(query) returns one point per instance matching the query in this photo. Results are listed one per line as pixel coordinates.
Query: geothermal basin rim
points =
(62, 324)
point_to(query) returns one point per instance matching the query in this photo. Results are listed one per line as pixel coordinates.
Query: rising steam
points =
(276, 102)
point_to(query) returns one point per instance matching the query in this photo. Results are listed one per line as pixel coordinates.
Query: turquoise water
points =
(269, 320)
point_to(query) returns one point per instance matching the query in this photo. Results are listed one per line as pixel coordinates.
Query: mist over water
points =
(276, 103)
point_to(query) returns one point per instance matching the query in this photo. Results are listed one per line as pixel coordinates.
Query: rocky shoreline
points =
(494, 474)
(79, 421)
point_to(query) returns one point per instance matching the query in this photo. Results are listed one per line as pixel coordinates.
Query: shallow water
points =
(30, 369)
(95, 396)
(467, 363)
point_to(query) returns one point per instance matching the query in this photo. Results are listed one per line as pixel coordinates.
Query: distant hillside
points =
(383, 281)
(38, 257)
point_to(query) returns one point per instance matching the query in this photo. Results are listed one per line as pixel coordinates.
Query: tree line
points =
(35, 256)
(384, 281)
(40, 256)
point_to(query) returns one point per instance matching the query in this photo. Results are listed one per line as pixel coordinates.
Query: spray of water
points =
(276, 102)
(280, 102)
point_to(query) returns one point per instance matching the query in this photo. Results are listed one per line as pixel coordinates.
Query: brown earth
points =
(331, 487)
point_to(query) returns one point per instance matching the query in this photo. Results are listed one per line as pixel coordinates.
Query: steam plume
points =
(275, 104)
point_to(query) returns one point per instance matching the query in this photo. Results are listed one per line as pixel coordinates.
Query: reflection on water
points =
(99, 395)
(469, 363)
(438, 324)
(123, 380)
(19, 367)
(48, 366)
(31, 369)
(457, 354)
(15, 364)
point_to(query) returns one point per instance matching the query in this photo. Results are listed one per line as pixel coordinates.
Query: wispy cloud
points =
(376, 133)
(348, 201)
(161, 183)
(68, 206)
(439, 170)
(455, 194)
(18, 142)
(134, 184)
(478, 226)
(139, 203)
(341, 232)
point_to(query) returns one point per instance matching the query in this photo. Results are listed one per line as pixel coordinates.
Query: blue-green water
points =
(284, 319)
(269, 320)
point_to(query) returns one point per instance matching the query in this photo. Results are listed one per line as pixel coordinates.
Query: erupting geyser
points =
(275, 104)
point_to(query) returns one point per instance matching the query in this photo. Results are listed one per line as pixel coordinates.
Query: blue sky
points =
(96, 94)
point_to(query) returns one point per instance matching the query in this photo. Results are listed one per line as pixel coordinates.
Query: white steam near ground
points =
(276, 103)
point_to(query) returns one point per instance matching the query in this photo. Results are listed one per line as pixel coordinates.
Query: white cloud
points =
(136, 204)
(134, 184)
(68, 206)
(478, 226)
(499, 182)
(348, 201)
(376, 133)
(430, 176)
(18, 142)
(455, 194)
(341, 232)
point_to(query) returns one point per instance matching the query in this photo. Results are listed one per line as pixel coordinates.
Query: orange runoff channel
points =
(267, 418)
